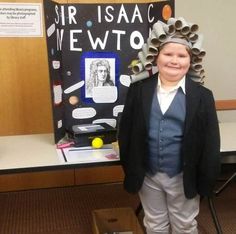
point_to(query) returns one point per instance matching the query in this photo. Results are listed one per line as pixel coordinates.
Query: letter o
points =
(133, 36)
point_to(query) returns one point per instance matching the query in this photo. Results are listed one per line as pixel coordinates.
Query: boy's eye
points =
(167, 54)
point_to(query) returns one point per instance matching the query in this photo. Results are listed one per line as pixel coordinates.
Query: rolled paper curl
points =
(178, 24)
(143, 75)
(149, 57)
(168, 28)
(159, 31)
(193, 73)
(198, 79)
(196, 59)
(196, 49)
(146, 64)
(196, 66)
(154, 40)
(193, 27)
(141, 57)
(182, 25)
(193, 37)
(137, 68)
(202, 53)
(200, 73)
(145, 48)
(171, 29)
(172, 21)
(153, 50)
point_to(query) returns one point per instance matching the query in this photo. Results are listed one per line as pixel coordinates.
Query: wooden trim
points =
(96, 175)
(226, 104)
(36, 180)
(60, 178)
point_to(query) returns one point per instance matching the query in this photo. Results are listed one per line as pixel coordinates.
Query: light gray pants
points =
(166, 207)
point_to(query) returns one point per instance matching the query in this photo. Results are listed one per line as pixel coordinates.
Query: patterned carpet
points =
(68, 210)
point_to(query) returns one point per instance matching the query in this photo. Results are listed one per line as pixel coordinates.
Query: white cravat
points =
(165, 97)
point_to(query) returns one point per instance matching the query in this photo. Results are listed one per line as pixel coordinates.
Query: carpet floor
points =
(68, 210)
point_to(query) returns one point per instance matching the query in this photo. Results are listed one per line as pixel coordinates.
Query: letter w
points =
(98, 41)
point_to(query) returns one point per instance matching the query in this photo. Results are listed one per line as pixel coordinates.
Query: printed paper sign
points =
(21, 20)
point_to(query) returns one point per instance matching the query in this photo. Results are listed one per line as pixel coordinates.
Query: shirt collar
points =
(180, 84)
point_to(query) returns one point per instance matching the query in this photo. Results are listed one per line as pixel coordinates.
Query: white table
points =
(228, 137)
(27, 151)
(38, 150)
(32, 153)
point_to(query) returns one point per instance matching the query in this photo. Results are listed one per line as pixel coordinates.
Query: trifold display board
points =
(90, 48)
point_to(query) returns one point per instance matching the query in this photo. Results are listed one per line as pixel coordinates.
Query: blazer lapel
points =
(147, 92)
(192, 101)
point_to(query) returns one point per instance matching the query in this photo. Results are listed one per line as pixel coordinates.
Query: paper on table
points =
(88, 154)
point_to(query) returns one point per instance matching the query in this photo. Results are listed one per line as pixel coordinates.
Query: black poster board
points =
(88, 39)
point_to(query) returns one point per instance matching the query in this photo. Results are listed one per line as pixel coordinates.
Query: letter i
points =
(99, 14)
(62, 16)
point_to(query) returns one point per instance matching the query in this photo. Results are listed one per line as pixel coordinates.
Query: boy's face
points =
(173, 62)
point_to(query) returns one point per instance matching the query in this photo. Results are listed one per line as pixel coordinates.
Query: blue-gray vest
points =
(165, 136)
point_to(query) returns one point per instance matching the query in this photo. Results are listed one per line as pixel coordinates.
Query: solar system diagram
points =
(90, 47)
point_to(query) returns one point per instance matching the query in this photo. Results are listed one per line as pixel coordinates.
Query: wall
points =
(24, 85)
(216, 20)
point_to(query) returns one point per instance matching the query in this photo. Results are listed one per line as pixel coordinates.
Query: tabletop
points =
(38, 151)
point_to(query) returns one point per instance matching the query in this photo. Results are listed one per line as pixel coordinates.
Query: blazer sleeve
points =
(210, 161)
(125, 127)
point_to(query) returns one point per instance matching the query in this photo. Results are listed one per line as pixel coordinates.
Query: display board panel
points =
(90, 48)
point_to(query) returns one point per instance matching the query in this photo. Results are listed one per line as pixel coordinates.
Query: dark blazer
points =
(201, 141)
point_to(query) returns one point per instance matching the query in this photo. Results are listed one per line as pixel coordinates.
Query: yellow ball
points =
(97, 142)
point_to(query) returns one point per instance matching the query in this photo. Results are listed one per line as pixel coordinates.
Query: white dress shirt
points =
(165, 97)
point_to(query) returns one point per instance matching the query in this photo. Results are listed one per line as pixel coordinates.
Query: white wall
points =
(216, 19)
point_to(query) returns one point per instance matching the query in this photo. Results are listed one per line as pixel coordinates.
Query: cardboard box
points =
(116, 220)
